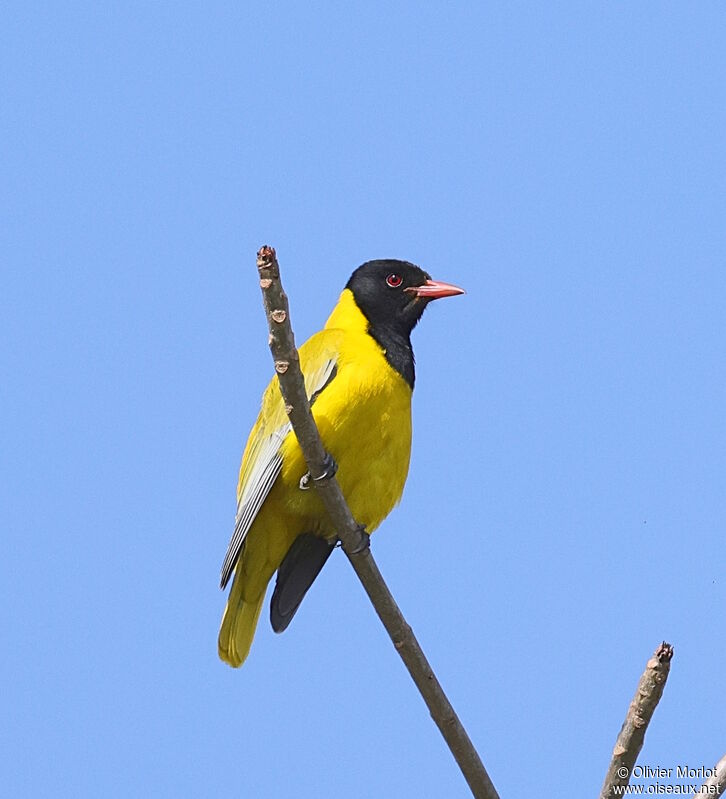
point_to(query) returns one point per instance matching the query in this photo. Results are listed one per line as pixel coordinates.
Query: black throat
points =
(385, 292)
(396, 349)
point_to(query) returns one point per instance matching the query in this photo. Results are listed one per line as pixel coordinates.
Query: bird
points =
(359, 375)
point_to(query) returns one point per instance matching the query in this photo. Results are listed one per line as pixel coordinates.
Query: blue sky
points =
(564, 512)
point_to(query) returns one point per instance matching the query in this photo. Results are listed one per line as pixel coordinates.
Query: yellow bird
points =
(359, 376)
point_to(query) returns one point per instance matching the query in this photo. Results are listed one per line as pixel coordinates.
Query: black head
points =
(392, 296)
(395, 293)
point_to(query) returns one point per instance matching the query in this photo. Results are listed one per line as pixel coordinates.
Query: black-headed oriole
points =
(359, 376)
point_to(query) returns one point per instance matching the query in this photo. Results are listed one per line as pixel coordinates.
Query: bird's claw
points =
(364, 542)
(330, 467)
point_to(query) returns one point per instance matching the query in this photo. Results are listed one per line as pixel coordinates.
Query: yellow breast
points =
(364, 418)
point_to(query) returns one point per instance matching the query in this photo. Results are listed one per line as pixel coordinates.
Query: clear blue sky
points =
(565, 509)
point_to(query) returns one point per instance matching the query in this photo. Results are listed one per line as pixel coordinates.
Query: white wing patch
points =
(262, 467)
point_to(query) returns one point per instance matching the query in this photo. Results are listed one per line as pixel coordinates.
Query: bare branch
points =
(715, 785)
(640, 712)
(354, 539)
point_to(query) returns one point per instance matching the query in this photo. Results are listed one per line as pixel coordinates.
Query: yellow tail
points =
(238, 625)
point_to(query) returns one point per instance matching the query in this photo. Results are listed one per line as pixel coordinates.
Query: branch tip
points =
(267, 260)
(266, 254)
(664, 653)
(640, 712)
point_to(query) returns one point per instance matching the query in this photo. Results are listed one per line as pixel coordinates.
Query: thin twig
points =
(354, 539)
(640, 712)
(715, 785)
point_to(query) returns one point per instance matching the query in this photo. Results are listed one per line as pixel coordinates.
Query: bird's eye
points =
(394, 281)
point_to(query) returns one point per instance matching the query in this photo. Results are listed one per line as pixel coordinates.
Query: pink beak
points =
(434, 289)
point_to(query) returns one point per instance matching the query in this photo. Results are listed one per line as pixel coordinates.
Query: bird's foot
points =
(330, 467)
(364, 541)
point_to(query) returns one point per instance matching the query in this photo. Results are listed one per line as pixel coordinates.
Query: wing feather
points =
(262, 461)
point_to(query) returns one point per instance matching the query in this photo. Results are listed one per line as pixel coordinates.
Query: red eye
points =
(394, 281)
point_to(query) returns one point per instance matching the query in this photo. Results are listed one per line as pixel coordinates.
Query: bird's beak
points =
(434, 289)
